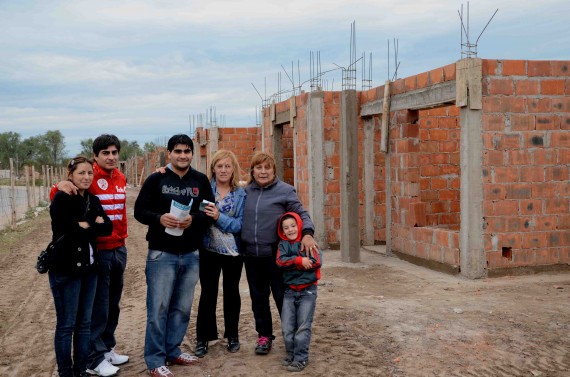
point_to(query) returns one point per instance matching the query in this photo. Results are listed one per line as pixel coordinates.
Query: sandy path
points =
(381, 317)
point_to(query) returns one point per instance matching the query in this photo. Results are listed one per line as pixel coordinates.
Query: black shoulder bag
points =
(46, 256)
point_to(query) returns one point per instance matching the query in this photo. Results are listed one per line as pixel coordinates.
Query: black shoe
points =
(201, 348)
(233, 345)
(263, 345)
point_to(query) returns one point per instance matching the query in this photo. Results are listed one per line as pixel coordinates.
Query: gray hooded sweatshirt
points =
(263, 208)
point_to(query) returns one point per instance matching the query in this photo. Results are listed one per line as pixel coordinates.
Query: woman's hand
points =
(84, 224)
(309, 245)
(212, 211)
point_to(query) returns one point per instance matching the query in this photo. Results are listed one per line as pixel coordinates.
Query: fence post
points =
(12, 195)
(34, 186)
(28, 193)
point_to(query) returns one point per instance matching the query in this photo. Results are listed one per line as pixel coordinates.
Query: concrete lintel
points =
(432, 96)
(282, 118)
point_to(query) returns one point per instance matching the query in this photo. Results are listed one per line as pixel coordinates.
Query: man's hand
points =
(170, 221)
(160, 170)
(67, 187)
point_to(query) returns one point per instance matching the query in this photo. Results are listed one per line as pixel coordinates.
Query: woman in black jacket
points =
(76, 221)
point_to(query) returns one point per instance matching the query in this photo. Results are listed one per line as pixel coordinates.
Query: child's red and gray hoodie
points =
(289, 259)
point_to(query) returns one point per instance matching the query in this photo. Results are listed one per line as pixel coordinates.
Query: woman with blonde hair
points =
(268, 198)
(221, 254)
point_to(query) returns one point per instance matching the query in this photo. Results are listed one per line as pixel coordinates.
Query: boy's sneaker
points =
(184, 359)
(263, 345)
(116, 359)
(297, 366)
(162, 371)
(104, 369)
(287, 360)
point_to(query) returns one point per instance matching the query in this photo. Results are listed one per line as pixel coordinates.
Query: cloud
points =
(143, 67)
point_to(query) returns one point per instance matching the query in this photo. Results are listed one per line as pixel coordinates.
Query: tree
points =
(54, 146)
(86, 147)
(9, 148)
(129, 149)
(149, 146)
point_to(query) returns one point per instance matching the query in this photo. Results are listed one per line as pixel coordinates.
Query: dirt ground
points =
(380, 317)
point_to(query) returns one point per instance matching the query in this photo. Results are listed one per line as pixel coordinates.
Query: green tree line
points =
(49, 149)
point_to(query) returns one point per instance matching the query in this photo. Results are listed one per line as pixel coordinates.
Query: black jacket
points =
(154, 200)
(73, 253)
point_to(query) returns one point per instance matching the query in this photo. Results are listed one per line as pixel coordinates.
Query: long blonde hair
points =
(220, 155)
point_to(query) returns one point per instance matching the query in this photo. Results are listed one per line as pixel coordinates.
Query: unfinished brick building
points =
(475, 179)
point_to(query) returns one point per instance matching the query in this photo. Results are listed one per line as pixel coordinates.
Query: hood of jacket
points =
(299, 227)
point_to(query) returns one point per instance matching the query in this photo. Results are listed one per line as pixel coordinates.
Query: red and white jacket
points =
(111, 191)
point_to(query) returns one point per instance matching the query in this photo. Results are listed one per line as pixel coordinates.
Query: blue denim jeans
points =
(170, 279)
(297, 321)
(105, 318)
(73, 298)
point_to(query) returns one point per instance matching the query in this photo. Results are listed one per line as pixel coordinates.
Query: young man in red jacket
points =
(109, 186)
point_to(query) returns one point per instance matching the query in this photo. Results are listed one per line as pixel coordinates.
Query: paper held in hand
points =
(180, 211)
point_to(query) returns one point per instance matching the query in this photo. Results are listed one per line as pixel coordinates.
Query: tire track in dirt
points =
(26, 312)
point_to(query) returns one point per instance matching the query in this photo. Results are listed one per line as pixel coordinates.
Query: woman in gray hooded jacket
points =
(268, 198)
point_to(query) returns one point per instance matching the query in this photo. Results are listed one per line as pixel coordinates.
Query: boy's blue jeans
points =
(170, 279)
(297, 320)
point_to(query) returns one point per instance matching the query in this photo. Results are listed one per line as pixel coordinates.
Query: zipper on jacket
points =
(255, 227)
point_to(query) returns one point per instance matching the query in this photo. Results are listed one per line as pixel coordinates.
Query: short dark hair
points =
(105, 141)
(285, 217)
(180, 139)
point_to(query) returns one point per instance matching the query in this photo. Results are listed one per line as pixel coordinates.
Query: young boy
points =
(301, 271)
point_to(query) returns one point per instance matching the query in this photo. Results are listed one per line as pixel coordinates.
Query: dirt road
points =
(380, 317)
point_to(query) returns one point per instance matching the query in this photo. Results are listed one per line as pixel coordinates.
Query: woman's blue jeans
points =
(73, 297)
(170, 279)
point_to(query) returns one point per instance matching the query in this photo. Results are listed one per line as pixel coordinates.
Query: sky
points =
(145, 70)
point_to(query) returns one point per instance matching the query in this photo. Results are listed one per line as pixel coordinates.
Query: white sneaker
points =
(104, 369)
(116, 359)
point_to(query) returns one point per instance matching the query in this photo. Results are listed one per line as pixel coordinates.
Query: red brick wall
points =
(242, 141)
(424, 172)
(526, 123)
(438, 162)
(331, 138)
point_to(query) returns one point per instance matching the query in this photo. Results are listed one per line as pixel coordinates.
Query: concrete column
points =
(388, 178)
(369, 191)
(349, 195)
(316, 158)
(471, 245)
(278, 150)
(213, 145)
